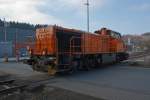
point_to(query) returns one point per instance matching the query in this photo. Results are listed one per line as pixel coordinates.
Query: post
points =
(5, 26)
(16, 46)
(5, 39)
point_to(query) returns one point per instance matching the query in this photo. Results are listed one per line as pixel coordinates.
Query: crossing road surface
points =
(113, 83)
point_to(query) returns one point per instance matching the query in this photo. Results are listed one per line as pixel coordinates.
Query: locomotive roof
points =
(60, 28)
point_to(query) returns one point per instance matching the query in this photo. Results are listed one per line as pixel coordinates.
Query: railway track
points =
(10, 86)
(139, 55)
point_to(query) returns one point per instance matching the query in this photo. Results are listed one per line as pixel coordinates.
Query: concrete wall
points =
(6, 48)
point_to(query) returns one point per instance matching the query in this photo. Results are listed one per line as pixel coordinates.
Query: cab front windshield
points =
(115, 34)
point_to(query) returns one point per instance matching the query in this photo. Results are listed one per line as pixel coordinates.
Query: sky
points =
(124, 16)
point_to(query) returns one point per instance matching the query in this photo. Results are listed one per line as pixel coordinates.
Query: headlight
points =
(30, 52)
(44, 53)
(28, 48)
(55, 62)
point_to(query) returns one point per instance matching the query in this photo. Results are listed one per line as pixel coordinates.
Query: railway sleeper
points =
(6, 82)
(12, 89)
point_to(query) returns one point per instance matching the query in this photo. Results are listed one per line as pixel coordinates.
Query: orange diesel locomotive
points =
(59, 49)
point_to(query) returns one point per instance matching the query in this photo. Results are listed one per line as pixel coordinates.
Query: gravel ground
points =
(49, 93)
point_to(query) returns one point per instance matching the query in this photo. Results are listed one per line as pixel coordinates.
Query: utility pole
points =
(16, 46)
(88, 15)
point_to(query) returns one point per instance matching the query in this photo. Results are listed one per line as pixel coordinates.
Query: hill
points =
(22, 30)
(146, 34)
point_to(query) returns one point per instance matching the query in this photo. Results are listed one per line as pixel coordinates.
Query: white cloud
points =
(141, 7)
(78, 3)
(28, 10)
(75, 5)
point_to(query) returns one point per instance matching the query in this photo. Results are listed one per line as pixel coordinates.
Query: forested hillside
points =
(22, 30)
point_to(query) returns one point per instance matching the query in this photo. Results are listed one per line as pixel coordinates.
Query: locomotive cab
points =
(114, 34)
(105, 31)
(117, 45)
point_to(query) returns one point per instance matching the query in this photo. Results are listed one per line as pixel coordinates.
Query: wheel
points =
(87, 64)
(93, 63)
(80, 65)
(74, 67)
(35, 67)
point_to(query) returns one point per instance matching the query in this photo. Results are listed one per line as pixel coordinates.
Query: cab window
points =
(115, 34)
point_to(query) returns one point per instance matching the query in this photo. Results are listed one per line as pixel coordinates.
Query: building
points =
(6, 49)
